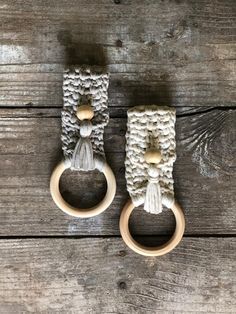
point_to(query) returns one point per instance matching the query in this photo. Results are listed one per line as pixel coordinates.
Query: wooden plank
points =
(102, 276)
(180, 52)
(30, 148)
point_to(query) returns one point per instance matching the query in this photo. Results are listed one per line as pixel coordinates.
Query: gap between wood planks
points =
(146, 236)
(118, 112)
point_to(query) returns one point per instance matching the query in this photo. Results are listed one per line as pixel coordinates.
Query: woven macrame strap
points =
(150, 128)
(82, 141)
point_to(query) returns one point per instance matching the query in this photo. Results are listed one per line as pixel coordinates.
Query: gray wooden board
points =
(180, 53)
(30, 148)
(173, 52)
(103, 276)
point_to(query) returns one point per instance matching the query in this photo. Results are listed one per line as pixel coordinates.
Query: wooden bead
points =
(152, 156)
(85, 112)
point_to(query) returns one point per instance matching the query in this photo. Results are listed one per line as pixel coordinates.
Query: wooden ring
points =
(78, 212)
(152, 251)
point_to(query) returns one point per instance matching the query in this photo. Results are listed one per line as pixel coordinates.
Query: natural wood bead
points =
(152, 156)
(85, 112)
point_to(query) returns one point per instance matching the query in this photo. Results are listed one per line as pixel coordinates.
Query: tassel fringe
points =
(83, 155)
(153, 202)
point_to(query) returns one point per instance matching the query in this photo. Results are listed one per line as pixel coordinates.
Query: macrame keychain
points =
(150, 155)
(84, 116)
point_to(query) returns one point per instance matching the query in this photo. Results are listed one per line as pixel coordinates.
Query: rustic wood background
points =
(180, 53)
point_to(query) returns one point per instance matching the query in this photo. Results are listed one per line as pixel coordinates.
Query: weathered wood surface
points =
(180, 53)
(30, 147)
(103, 276)
(171, 52)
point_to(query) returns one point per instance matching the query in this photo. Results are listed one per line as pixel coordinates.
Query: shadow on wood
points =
(79, 52)
(141, 93)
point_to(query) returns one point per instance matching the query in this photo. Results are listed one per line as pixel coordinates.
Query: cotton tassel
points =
(153, 202)
(83, 154)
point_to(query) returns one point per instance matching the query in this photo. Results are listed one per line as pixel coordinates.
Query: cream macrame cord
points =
(84, 86)
(150, 127)
(84, 116)
(150, 155)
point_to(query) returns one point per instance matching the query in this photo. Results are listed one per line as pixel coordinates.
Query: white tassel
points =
(153, 202)
(83, 154)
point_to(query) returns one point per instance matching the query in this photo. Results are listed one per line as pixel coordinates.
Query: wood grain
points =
(30, 148)
(103, 276)
(179, 52)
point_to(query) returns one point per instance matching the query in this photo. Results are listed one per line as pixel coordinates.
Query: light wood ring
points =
(151, 251)
(78, 212)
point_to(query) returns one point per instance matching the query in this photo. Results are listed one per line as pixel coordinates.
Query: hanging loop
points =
(79, 212)
(84, 117)
(152, 251)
